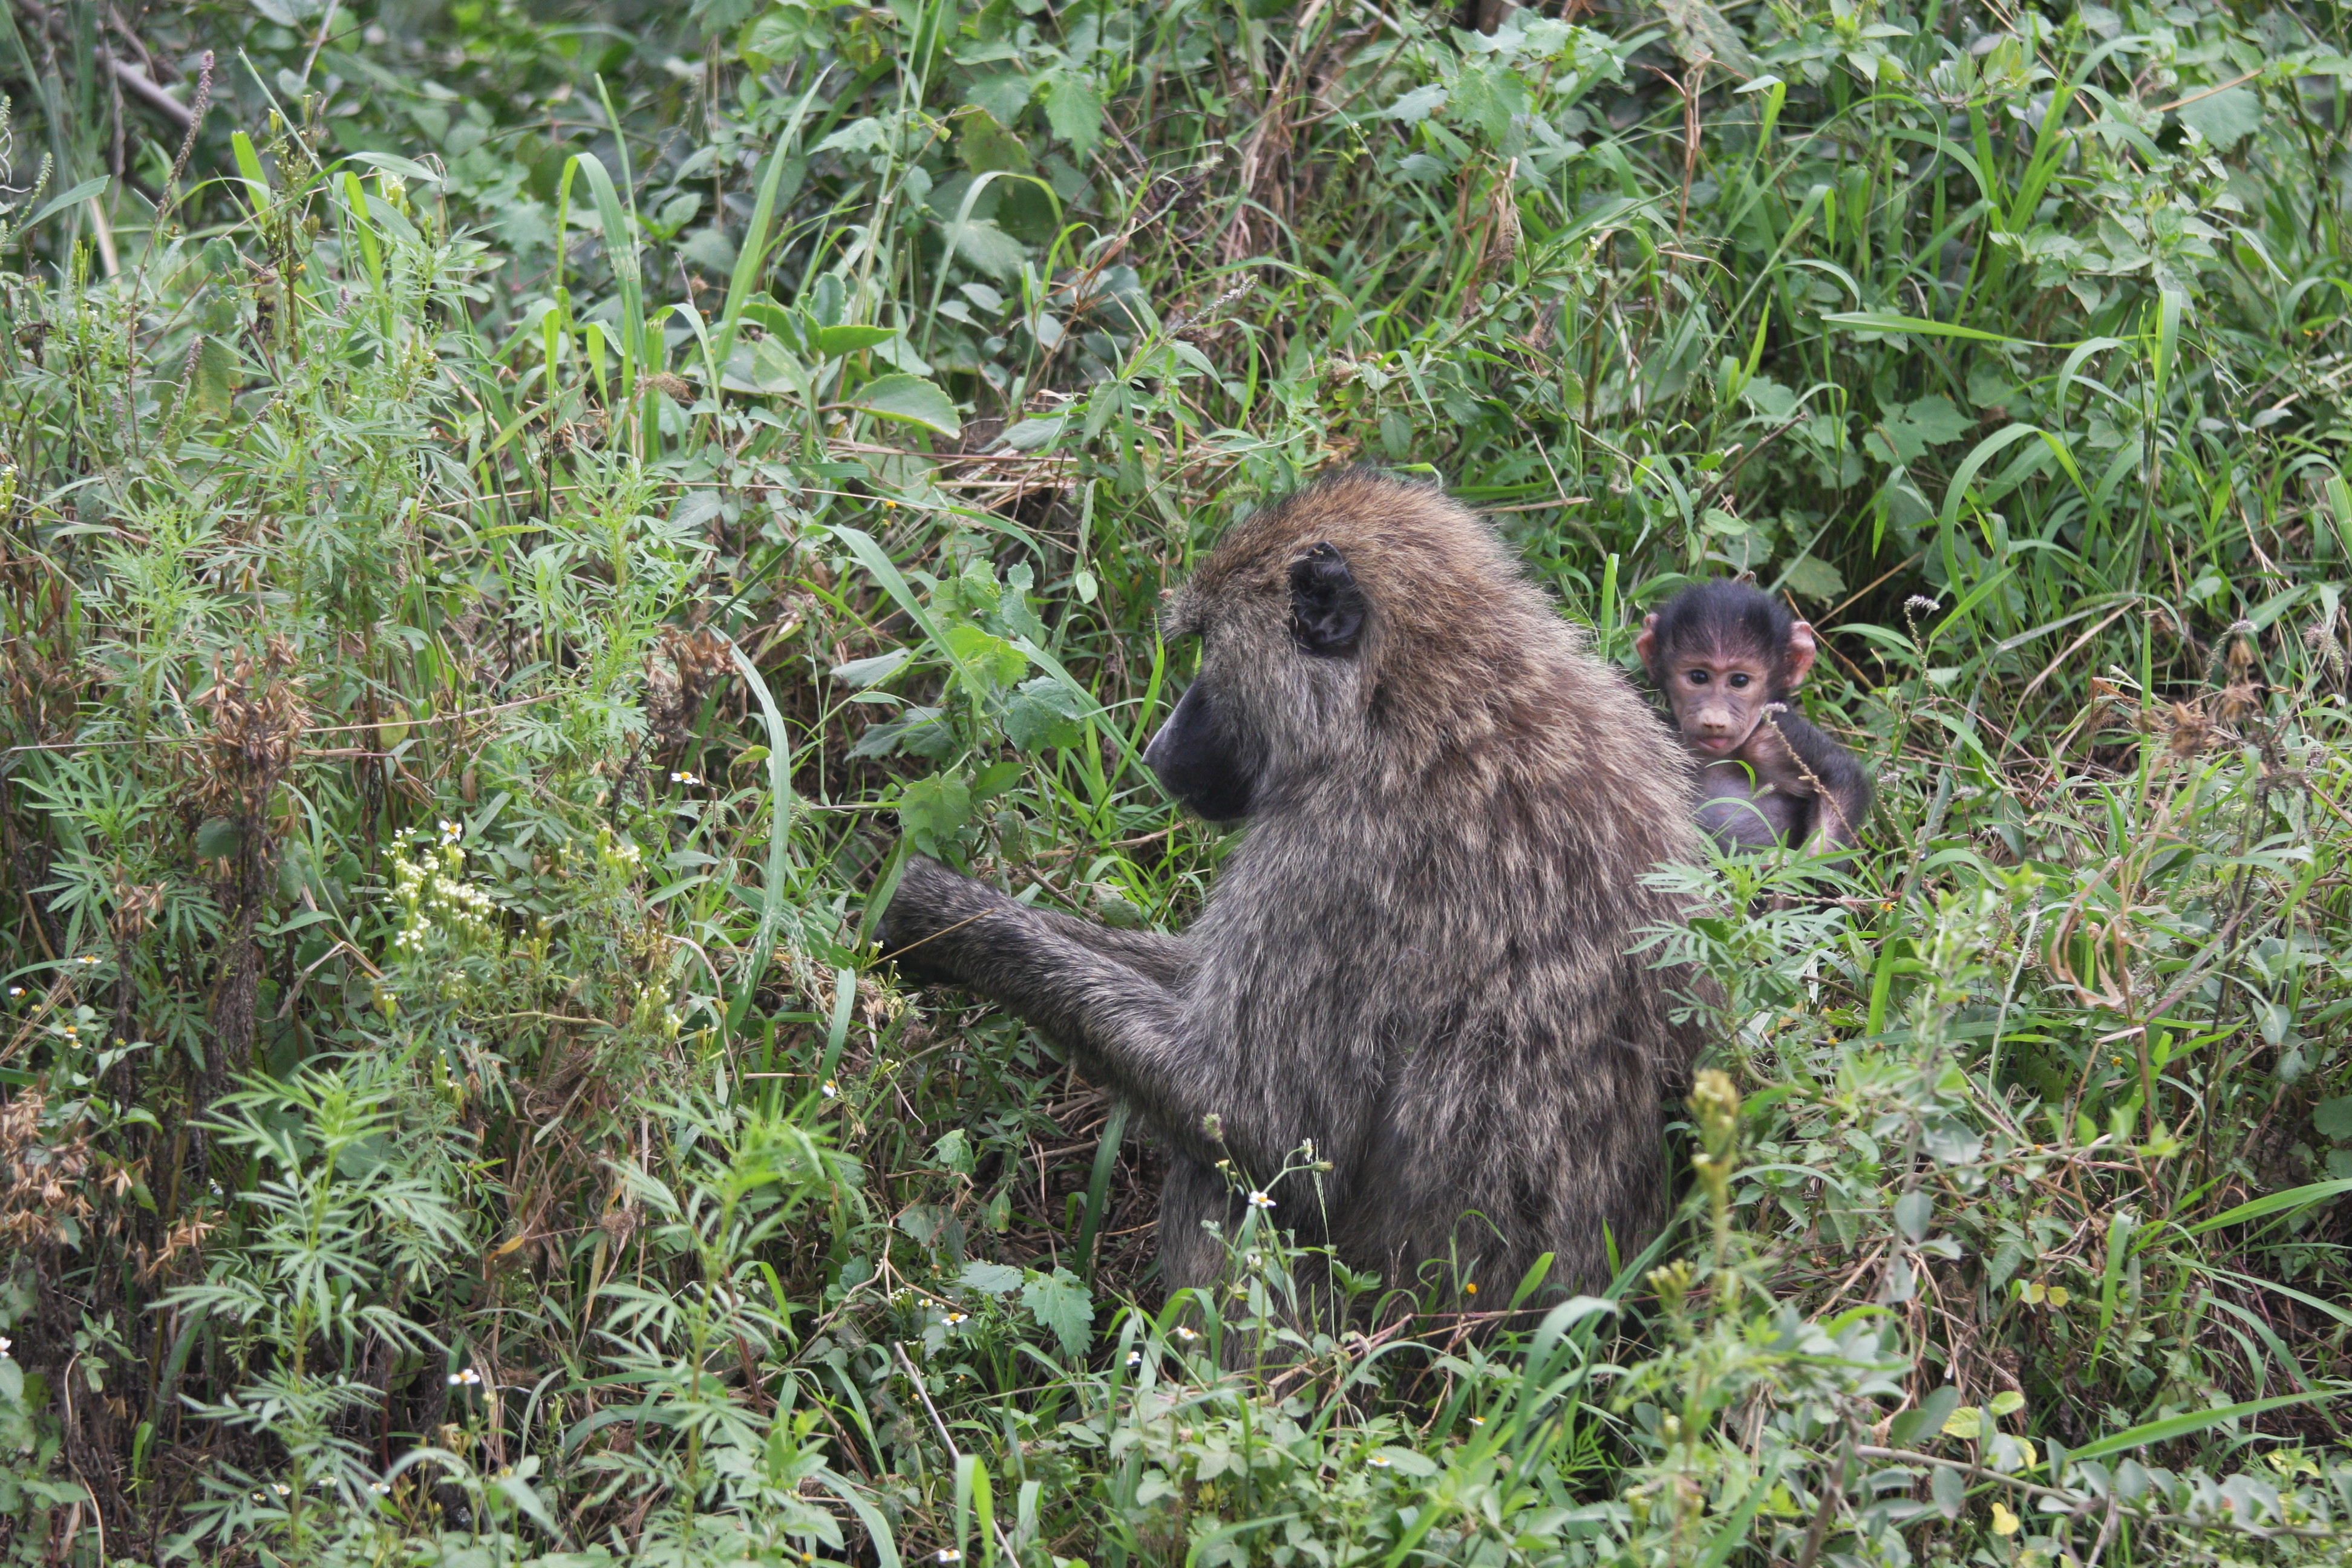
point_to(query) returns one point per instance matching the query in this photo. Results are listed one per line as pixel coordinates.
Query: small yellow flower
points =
(1471, 1288)
(2004, 1522)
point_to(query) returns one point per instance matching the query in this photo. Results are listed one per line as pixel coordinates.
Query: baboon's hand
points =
(933, 917)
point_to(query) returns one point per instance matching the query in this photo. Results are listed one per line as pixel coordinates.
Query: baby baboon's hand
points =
(932, 909)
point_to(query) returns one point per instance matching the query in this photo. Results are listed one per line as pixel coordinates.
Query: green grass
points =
(564, 1184)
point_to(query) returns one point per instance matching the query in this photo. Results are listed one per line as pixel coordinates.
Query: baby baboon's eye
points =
(1698, 677)
(1738, 681)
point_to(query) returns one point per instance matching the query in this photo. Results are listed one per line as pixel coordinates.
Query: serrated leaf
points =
(986, 654)
(990, 1279)
(1042, 715)
(1074, 109)
(1417, 105)
(1061, 1303)
(931, 809)
(910, 400)
(981, 242)
(866, 135)
(1809, 577)
(985, 146)
(2226, 119)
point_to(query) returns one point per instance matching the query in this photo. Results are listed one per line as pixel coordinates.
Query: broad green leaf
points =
(984, 145)
(1809, 577)
(1074, 109)
(910, 400)
(1043, 714)
(2332, 1119)
(1061, 1303)
(995, 660)
(2226, 119)
(991, 1278)
(981, 242)
(931, 809)
(832, 343)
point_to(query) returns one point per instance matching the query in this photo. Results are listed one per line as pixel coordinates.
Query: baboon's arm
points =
(1106, 994)
(1112, 998)
(1840, 787)
(926, 930)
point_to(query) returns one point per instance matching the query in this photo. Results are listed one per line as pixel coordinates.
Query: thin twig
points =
(955, 1455)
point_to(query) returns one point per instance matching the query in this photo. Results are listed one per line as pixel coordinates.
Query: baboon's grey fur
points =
(1418, 957)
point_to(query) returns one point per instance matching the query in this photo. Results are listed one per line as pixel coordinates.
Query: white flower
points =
(1135, 1358)
(465, 1379)
(381, 1489)
(952, 1319)
(1477, 1421)
(4, 1343)
(684, 779)
(281, 1488)
(16, 991)
(1377, 1462)
(950, 1554)
(830, 1090)
(87, 958)
(1260, 1201)
(1187, 1334)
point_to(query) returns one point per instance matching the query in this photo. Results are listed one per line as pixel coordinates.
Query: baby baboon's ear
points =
(1327, 603)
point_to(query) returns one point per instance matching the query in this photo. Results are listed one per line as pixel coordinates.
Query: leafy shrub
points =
(509, 524)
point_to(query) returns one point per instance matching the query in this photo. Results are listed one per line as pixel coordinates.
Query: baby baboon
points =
(1418, 958)
(1729, 658)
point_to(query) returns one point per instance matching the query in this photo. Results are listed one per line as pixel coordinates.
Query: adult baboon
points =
(1418, 957)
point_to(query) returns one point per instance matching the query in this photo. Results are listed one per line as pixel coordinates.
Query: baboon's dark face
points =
(1199, 761)
(1212, 753)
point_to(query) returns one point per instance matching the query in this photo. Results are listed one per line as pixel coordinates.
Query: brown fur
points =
(1419, 956)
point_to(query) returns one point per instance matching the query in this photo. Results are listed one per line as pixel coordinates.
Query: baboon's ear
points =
(1327, 603)
(1799, 658)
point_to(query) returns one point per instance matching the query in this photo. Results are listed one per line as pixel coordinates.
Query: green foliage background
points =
(513, 517)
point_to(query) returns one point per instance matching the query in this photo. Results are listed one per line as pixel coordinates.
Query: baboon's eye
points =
(1698, 677)
(1738, 681)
